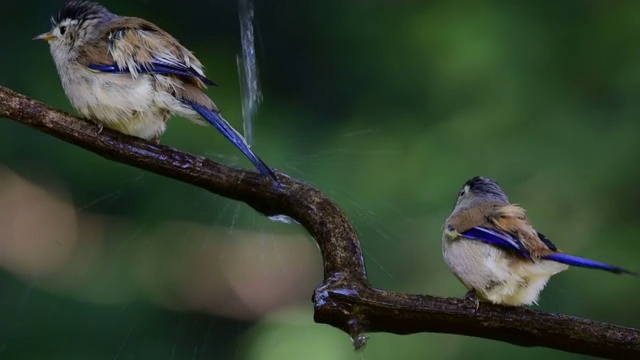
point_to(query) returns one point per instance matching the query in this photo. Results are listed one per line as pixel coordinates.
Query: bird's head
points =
(75, 23)
(479, 190)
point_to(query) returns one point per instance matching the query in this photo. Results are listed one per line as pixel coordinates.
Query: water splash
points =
(248, 68)
(283, 219)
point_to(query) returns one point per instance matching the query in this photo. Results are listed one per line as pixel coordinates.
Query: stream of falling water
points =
(248, 68)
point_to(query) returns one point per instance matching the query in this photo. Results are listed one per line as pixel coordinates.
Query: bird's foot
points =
(471, 295)
(96, 123)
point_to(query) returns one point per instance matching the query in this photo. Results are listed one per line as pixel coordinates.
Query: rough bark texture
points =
(345, 300)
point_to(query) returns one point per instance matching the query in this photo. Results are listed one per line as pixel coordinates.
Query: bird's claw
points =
(471, 295)
(96, 123)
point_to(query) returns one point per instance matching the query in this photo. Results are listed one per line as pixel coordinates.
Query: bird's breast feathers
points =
(132, 106)
(496, 275)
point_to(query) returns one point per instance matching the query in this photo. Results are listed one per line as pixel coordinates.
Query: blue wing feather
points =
(162, 68)
(497, 238)
(230, 133)
(107, 68)
(586, 263)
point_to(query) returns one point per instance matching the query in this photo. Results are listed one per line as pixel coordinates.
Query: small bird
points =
(131, 76)
(491, 247)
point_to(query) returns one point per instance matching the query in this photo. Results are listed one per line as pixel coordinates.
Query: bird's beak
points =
(45, 36)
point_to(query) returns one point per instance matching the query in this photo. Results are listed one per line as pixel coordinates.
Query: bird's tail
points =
(214, 118)
(586, 263)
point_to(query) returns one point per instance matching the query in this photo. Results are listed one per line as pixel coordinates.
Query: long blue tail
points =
(586, 263)
(230, 133)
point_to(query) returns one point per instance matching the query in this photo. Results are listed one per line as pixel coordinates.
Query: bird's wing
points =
(496, 238)
(135, 46)
(502, 225)
(511, 219)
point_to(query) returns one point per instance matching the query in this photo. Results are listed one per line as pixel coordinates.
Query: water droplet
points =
(359, 341)
(283, 219)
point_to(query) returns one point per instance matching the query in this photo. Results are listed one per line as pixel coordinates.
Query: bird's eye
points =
(63, 29)
(462, 192)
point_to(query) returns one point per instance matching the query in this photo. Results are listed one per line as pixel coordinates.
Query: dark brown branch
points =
(345, 299)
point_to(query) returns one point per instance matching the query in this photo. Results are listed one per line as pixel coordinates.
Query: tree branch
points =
(345, 300)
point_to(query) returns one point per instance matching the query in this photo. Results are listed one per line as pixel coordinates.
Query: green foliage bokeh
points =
(388, 107)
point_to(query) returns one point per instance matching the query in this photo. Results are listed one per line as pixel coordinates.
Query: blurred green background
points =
(388, 107)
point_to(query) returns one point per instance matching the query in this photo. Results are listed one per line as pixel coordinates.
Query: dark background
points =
(388, 107)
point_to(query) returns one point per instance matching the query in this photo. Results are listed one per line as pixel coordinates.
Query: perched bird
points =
(491, 247)
(131, 76)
